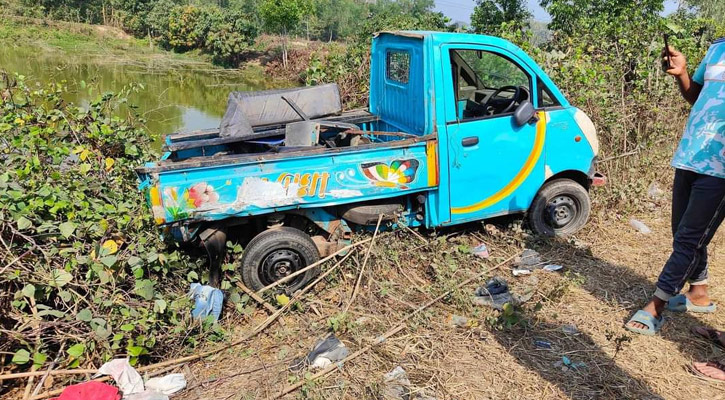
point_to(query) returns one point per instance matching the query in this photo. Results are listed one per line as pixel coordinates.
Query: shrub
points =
(230, 35)
(84, 274)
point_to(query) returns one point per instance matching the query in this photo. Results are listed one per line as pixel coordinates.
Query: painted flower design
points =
(201, 194)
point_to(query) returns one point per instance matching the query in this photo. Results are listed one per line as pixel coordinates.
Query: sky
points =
(460, 10)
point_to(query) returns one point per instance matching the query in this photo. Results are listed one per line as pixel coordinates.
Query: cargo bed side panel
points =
(215, 193)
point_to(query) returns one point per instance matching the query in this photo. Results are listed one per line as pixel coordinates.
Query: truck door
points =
(495, 166)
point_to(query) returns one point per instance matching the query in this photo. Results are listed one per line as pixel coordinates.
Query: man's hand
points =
(678, 68)
(678, 62)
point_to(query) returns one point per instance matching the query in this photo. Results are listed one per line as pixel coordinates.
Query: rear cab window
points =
(397, 66)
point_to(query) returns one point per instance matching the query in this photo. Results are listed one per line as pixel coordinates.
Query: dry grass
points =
(610, 271)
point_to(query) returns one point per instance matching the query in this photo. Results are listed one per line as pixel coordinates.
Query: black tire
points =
(561, 208)
(276, 253)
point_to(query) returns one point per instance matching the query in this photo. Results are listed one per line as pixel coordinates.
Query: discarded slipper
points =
(495, 294)
(643, 317)
(681, 303)
(712, 335)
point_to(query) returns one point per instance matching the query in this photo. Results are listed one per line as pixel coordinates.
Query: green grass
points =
(92, 40)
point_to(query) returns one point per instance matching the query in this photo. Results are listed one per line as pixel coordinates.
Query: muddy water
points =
(177, 94)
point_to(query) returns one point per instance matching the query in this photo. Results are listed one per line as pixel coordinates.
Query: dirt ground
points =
(609, 272)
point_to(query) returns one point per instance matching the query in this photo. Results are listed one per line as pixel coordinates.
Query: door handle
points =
(469, 141)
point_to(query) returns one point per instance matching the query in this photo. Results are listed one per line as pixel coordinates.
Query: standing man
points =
(698, 195)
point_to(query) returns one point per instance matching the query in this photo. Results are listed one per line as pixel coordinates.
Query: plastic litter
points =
(126, 377)
(528, 258)
(481, 251)
(567, 365)
(542, 344)
(461, 321)
(207, 301)
(325, 352)
(397, 386)
(147, 395)
(639, 226)
(168, 384)
(521, 271)
(552, 267)
(654, 191)
(496, 285)
(496, 293)
(570, 329)
(132, 385)
(91, 390)
(492, 230)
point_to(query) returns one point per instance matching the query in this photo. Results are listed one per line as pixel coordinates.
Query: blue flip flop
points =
(643, 317)
(681, 303)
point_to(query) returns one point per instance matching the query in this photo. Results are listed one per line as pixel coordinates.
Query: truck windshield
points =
(479, 76)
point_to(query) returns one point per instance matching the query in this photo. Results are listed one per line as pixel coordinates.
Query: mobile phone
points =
(667, 52)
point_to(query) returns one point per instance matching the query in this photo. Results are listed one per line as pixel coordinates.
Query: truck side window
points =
(487, 84)
(397, 66)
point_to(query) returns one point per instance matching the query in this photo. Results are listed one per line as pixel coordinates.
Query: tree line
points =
(226, 29)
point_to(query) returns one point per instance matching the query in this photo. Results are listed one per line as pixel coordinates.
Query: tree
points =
(713, 9)
(283, 17)
(338, 19)
(230, 35)
(488, 15)
(568, 16)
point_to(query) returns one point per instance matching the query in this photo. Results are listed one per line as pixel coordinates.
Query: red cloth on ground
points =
(91, 390)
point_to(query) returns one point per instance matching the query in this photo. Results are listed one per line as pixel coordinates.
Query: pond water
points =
(177, 94)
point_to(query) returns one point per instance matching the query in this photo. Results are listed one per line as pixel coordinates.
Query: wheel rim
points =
(279, 264)
(561, 211)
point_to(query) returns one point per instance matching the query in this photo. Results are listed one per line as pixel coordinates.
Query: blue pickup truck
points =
(459, 128)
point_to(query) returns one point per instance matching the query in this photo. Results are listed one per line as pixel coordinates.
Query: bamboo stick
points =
(262, 326)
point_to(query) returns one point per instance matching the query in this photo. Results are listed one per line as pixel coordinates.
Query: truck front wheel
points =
(277, 253)
(561, 208)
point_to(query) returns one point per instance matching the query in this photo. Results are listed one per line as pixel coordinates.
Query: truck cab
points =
(466, 90)
(459, 128)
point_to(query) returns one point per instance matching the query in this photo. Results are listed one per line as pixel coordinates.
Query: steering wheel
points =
(504, 104)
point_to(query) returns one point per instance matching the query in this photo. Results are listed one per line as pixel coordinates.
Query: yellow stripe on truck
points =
(520, 176)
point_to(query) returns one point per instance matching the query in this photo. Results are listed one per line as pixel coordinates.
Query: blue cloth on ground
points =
(207, 301)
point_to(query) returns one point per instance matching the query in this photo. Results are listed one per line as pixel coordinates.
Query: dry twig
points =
(392, 331)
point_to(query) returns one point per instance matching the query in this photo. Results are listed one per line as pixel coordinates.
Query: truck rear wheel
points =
(561, 208)
(277, 253)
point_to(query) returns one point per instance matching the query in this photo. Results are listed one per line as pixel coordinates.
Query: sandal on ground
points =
(712, 335)
(643, 317)
(695, 368)
(681, 303)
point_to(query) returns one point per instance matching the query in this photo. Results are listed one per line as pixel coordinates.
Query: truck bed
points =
(204, 177)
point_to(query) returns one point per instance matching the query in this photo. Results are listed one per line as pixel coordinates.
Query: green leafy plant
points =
(84, 274)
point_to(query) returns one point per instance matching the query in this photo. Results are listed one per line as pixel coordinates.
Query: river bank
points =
(169, 91)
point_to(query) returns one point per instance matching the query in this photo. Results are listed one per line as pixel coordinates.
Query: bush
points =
(230, 35)
(84, 275)
(187, 28)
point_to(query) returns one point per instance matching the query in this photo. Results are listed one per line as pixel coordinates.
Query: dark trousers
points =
(698, 208)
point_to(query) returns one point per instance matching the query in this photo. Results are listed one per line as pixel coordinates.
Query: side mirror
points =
(524, 113)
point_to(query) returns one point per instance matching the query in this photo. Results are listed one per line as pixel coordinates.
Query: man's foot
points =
(710, 370)
(654, 307)
(698, 295)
